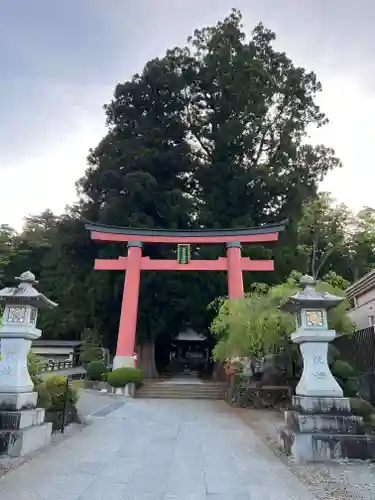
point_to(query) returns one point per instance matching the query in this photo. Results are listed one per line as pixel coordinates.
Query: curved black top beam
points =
(276, 227)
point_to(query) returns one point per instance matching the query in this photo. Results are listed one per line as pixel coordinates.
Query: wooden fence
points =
(52, 366)
(359, 349)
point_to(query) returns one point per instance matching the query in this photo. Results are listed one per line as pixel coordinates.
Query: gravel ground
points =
(347, 480)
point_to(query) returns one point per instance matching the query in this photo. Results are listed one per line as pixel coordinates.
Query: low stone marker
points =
(320, 426)
(22, 426)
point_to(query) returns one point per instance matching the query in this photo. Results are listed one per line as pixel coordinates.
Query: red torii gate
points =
(134, 263)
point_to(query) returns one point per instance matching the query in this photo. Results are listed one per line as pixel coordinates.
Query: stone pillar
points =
(235, 279)
(129, 308)
(316, 378)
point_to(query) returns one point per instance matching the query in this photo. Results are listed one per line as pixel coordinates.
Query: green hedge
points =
(123, 376)
(96, 370)
(362, 408)
(342, 369)
(51, 393)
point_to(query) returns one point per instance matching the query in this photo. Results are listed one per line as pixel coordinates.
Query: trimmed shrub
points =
(123, 376)
(44, 399)
(95, 370)
(55, 387)
(333, 355)
(342, 369)
(35, 366)
(362, 408)
(350, 389)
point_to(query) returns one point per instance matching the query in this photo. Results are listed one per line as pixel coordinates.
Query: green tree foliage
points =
(91, 348)
(35, 366)
(96, 370)
(255, 325)
(322, 233)
(362, 243)
(247, 110)
(7, 247)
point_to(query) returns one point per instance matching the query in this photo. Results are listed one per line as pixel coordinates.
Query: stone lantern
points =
(319, 426)
(22, 427)
(313, 335)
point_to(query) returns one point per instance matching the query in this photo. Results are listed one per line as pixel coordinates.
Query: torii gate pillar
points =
(235, 279)
(129, 308)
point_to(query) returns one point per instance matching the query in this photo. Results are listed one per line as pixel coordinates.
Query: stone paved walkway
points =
(158, 450)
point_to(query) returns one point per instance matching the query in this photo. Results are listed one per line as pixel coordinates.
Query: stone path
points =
(158, 450)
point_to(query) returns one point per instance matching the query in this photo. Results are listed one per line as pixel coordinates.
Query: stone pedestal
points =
(319, 429)
(123, 362)
(316, 379)
(22, 426)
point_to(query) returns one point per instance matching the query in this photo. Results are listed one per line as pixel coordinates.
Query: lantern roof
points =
(25, 293)
(309, 297)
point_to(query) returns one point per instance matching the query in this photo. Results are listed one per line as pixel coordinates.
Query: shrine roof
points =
(266, 232)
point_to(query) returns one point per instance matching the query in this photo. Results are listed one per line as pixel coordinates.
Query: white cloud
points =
(351, 133)
(48, 180)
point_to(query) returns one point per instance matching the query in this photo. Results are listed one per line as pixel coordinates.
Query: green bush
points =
(350, 389)
(333, 355)
(51, 393)
(91, 348)
(123, 376)
(35, 366)
(95, 370)
(342, 369)
(44, 399)
(362, 408)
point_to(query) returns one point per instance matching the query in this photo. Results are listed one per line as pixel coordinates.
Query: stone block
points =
(324, 447)
(18, 401)
(310, 404)
(18, 443)
(20, 419)
(325, 422)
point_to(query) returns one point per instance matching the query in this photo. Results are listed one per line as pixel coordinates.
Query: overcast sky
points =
(60, 62)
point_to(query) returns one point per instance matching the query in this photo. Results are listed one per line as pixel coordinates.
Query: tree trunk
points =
(146, 359)
(313, 260)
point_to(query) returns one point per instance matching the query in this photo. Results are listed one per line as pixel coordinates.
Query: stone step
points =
(206, 391)
(176, 393)
(179, 396)
(185, 385)
(178, 388)
(181, 391)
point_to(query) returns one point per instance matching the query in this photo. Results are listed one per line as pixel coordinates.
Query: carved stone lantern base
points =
(22, 426)
(320, 429)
